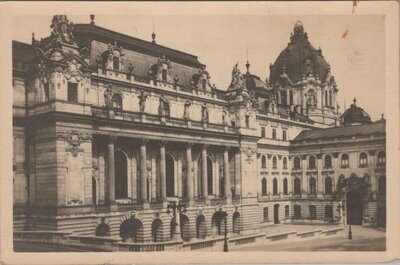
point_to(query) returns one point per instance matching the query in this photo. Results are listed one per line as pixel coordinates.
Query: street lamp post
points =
(225, 214)
(174, 206)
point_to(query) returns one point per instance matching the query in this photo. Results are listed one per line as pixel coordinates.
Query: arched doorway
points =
(201, 228)
(102, 230)
(121, 176)
(157, 230)
(354, 207)
(276, 214)
(185, 228)
(209, 176)
(218, 224)
(131, 230)
(170, 176)
(236, 228)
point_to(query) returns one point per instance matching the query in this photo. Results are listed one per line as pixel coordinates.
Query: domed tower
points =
(355, 116)
(302, 79)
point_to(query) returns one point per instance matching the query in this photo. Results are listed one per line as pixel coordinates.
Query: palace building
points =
(120, 137)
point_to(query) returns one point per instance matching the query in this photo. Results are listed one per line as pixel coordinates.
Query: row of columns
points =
(143, 171)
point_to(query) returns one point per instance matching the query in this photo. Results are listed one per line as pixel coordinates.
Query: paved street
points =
(364, 239)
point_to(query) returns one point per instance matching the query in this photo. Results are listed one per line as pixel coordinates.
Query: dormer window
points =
(164, 74)
(204, 84)
(116, 63)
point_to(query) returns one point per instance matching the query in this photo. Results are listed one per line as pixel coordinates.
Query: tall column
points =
(143, 171)
(204, 171)
(111, 170)
(227, 177)
(189, 179)
(163, 191)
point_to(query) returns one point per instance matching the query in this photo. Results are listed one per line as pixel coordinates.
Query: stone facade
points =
(115, 136)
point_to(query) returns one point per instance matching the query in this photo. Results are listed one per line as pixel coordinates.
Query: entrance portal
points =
(354, 207)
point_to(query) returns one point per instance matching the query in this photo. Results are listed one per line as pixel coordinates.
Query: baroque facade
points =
(116, 136)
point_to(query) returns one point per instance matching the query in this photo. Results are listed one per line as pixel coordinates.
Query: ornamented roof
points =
(355, 116)
(299, 59)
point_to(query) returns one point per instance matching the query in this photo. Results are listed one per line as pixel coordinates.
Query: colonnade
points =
(143, 171)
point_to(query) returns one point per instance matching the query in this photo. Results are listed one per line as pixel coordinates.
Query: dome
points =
(355, 116)
(299, 58)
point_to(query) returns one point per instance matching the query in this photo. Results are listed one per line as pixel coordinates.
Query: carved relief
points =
(142, 101)
(73, 71)
(204, 114)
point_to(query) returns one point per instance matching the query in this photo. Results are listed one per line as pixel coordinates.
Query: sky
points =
(357, 61)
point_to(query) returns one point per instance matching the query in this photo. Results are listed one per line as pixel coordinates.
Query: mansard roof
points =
(84, 31)
(22, 52)
(343, 131)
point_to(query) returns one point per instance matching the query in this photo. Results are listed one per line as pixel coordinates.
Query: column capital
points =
(227, 147)
(143, 141)
(112, 139)
(189, 145)
(205, 146)
(163, 143)
(319, 156)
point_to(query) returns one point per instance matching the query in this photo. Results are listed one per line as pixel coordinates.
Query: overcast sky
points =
(357, 61)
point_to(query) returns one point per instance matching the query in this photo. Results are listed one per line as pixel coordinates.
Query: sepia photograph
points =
(221, 131)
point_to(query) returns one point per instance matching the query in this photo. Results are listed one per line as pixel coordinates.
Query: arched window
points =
(296, 163)
(344, 161)
(297, 211)
(264, 187)
(381, 158)
(311, 162)
(313, 212)
(312, 186)
(275, 186)
(121, 175)
(328, 161)
(285, 186)
(265, 214)
(285, 163)
(263, 162)
(117, 101)
(363, 160)
(204, 84)
(382, 185)
(274, 163)
(115, 62)
(328, 185)
(287, 215)
(297, 186)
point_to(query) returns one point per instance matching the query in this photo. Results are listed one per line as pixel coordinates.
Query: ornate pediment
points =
(160, 70)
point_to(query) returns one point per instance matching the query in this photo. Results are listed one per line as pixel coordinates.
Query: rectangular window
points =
(72, 92)
(263, 132)
(284, 135)
(274, 134)
(313, 212)
(115, 63)
(233, 124)
(291, 97)
(297, 211)
(204, 84)
(247, 119)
